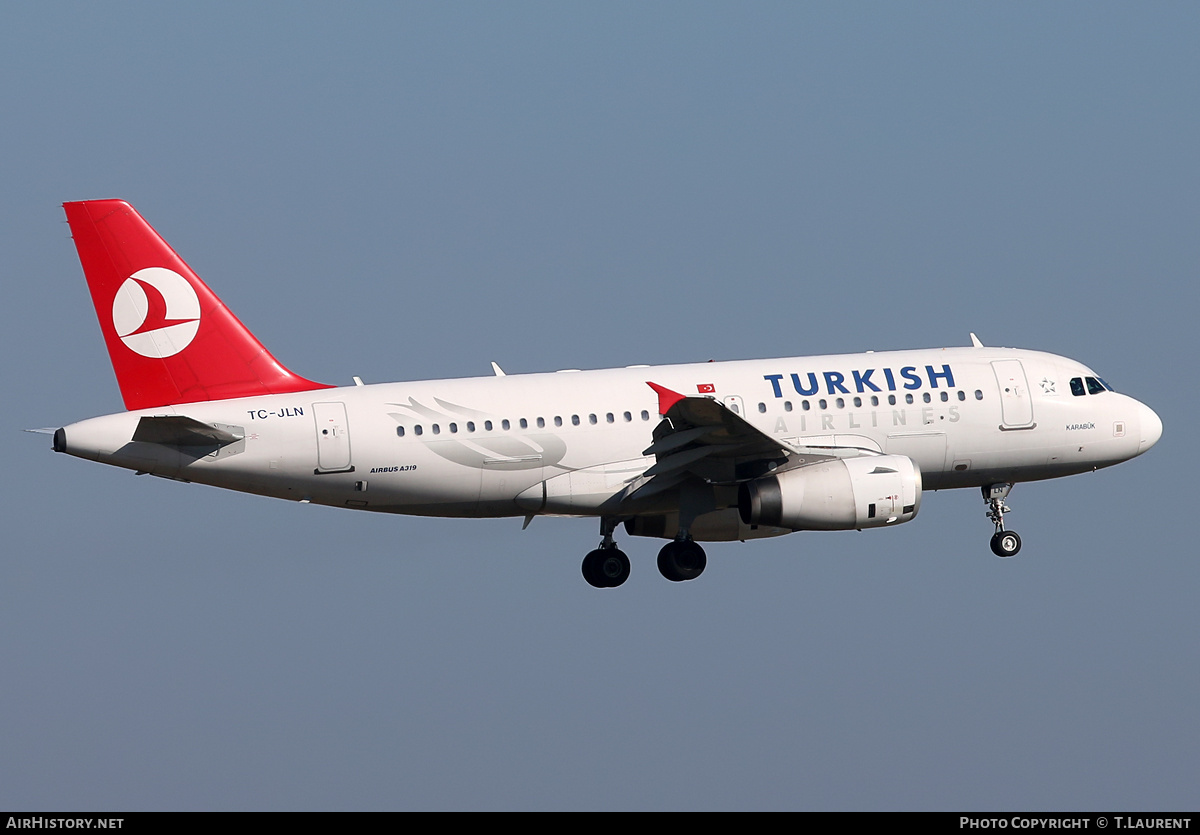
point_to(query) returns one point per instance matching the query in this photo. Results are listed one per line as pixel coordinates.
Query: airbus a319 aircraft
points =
(699, 452)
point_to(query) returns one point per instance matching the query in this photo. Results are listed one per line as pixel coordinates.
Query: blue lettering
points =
(944, 374)
(887, 372)
(908, 372)
(774, 378)
(812, 385)
(834, 380)
(862, 381)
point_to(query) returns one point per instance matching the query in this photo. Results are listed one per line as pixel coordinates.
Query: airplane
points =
(713, 451)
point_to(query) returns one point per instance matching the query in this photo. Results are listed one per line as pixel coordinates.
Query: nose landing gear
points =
(1004, 543)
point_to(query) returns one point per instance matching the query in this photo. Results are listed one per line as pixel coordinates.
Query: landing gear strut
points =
(681, 560)
(1004, 543)
(607, 567)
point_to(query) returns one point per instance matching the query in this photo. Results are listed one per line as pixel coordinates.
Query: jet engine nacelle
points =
(844, 494)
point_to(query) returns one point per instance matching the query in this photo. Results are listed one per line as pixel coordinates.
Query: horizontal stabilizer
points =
(178, 430)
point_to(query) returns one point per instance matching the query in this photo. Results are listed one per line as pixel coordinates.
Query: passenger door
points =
(333, 438)
(1016, 405)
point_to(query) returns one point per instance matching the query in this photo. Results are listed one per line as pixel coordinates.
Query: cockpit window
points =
(1104, 383)
(1095, 385)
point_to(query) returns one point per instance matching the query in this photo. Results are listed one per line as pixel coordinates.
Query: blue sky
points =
(410, 191)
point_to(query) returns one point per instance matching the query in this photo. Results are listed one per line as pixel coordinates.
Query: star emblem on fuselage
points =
(1048, 386)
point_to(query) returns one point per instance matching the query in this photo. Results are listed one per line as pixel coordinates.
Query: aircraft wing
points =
(700, 438)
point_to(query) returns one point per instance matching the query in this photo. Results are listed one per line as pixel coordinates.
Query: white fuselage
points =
(566, 442)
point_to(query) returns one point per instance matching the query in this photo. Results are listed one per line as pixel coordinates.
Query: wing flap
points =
(676, 440)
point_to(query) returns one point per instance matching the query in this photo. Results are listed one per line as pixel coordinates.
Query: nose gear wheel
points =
(1005, 543)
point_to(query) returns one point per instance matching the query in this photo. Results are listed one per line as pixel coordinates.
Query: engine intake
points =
(844, 494)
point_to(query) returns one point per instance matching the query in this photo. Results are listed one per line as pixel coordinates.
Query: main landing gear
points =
(681, 560)
(607, 567)
(1004, 543)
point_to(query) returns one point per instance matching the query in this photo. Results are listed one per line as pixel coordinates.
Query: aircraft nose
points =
(1151, 427)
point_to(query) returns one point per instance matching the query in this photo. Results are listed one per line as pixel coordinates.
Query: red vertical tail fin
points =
(169, 337)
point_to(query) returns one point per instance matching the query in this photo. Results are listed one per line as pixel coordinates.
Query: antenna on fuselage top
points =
(499, 371)
(975, 343)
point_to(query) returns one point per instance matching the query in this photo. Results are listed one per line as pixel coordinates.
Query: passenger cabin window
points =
(400, 431)
(505, 425)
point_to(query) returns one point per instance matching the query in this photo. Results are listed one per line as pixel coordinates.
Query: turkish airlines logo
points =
(156, 312)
